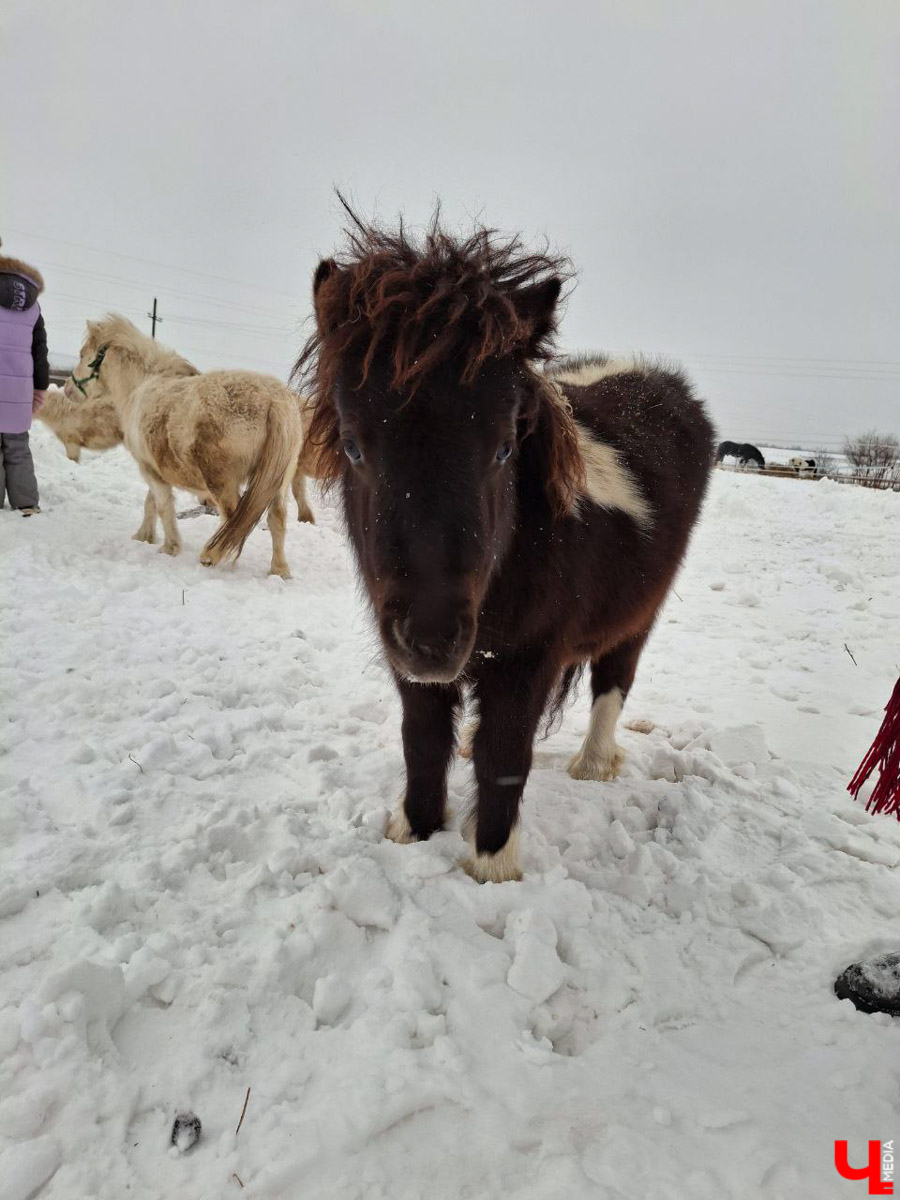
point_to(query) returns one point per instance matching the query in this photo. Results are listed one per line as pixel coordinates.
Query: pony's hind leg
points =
(298, 487)
(277, 520)
(225, 497)
(147, 531)
(165, 505)
(612, 675)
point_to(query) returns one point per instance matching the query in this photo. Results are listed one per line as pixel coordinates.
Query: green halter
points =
(95, 366)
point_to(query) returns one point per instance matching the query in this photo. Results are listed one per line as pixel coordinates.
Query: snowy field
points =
(196, 897)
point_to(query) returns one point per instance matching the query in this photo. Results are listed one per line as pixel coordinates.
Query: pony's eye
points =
(504, 452)
(352, 451)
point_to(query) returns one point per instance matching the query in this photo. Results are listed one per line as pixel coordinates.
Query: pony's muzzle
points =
(429, 653)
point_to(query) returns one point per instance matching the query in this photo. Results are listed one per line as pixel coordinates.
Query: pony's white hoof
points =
(170, 548)
(502, 867)
(398, 829)
(283, 572)
(143, 536)
(600, 767)
(306, 516)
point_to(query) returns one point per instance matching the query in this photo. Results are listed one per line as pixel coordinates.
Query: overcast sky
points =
(725, 175)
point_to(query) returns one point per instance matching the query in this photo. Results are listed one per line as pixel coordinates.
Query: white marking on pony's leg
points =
(608, 482)
(501, 867)
(600, 758)
(277, 522)
(147, 531)
(398, 827)
(467, 738)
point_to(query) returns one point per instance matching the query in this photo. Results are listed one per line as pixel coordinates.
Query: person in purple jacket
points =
(24, 379)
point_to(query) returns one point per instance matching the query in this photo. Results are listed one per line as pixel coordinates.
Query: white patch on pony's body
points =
(600, 758)
(501, 867)
(586, 373)
(608, 483)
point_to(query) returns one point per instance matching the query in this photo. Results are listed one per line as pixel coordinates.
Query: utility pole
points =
(154, 318)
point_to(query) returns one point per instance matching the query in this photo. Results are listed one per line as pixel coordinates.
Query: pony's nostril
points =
(403, 634)
(432, 645)
(431, 650)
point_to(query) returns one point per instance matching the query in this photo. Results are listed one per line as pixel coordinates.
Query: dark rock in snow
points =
(873, 984)
(186, 1131)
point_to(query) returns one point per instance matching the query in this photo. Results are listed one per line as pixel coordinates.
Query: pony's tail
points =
(271, 474)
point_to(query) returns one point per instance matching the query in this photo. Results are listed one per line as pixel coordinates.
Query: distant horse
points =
(743, 452)
(510, 525)
(803, 466)
(209, 433)
(94, 425)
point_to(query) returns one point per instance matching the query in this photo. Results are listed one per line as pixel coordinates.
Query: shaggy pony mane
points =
(116, 332)
(428, 302)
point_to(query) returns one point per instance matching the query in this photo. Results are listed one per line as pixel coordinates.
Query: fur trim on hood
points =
(15, 266)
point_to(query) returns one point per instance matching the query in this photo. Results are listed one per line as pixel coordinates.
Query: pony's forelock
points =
(423, 303)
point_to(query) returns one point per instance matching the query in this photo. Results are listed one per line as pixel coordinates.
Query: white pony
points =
(208, 433)
(84, 424)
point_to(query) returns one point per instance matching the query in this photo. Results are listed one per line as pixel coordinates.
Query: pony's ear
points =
(536, 309)
(329, 296)
(324, 271)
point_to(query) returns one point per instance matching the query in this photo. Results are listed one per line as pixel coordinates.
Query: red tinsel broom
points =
(884, 754)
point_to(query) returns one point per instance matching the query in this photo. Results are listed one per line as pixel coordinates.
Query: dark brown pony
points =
(511, 523)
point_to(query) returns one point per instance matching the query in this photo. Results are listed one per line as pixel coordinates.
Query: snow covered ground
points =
(196, 897)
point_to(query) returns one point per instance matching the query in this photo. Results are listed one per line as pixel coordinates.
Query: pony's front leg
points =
(165, 506)
(147, 531)
(511, 699)
(429, 715)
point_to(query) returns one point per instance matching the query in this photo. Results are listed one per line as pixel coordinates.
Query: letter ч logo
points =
(878, 1186)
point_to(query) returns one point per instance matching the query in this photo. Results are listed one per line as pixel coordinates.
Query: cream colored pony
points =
(81, 426)
(208, 433)
(94, 425)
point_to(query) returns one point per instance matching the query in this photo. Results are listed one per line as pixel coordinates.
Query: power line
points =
(850, 376)
(737, 363)
(836, 368)
(151, 262)
(853, 362)
(267, 331)
(142, 285)
(261, 330)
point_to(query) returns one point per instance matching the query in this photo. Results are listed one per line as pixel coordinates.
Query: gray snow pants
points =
(17, 471)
